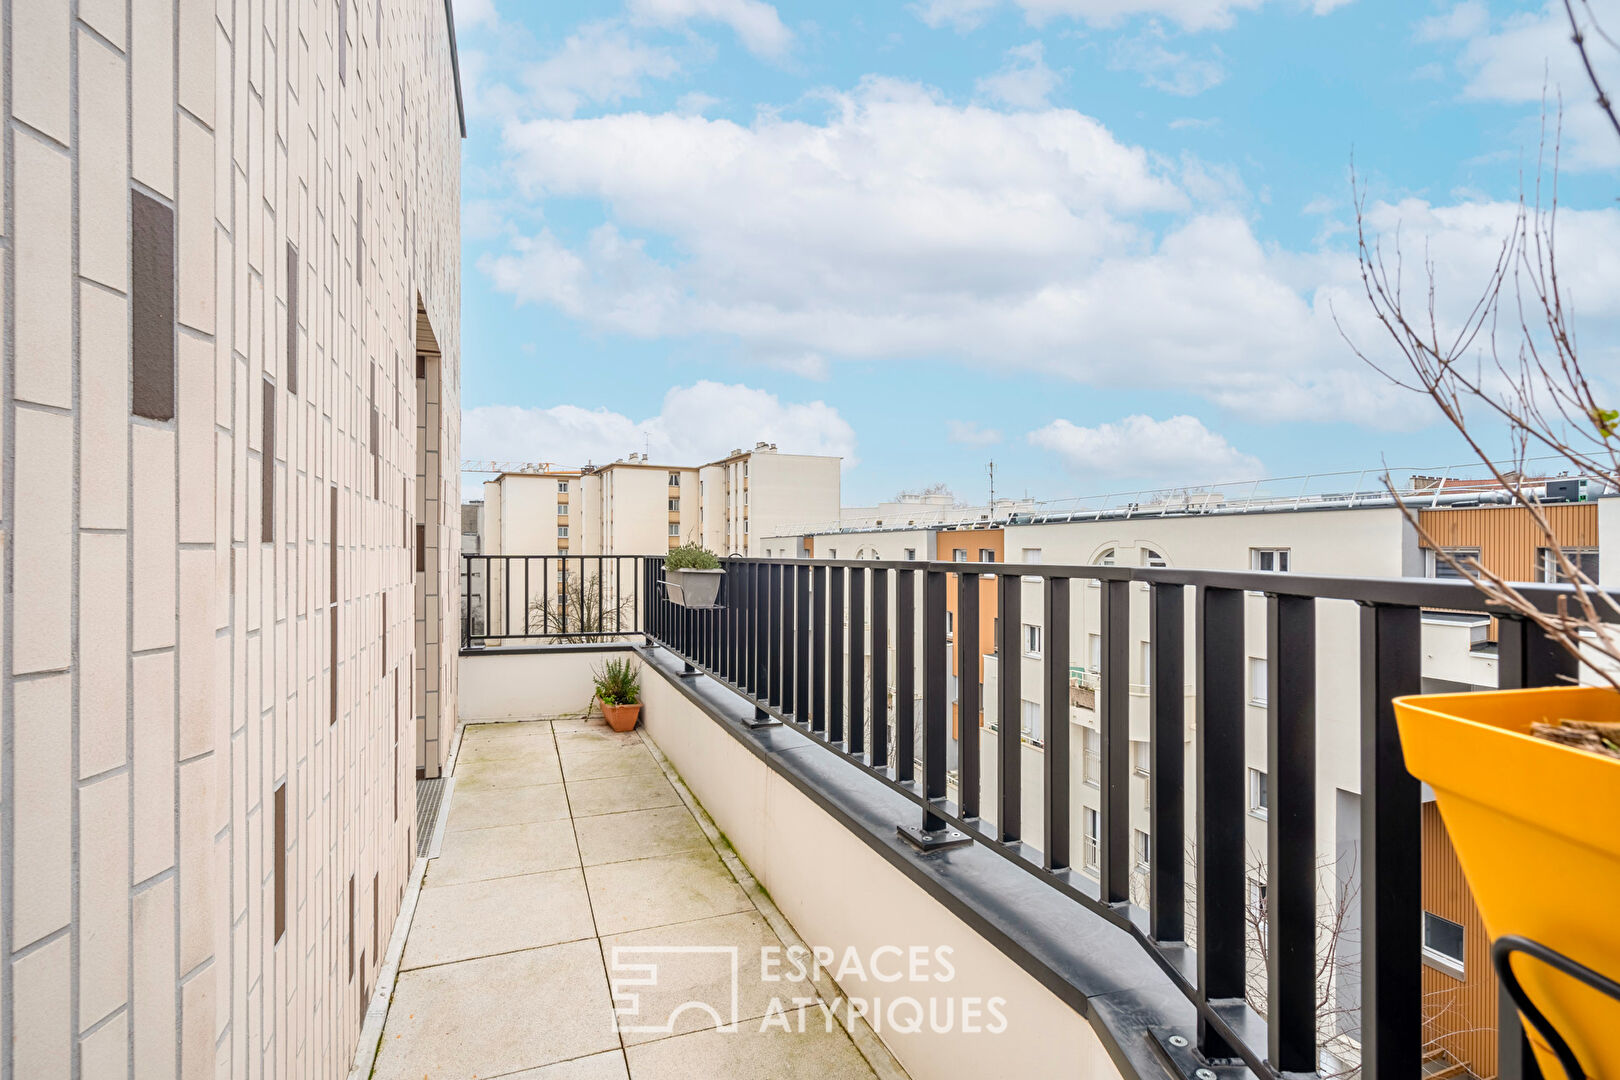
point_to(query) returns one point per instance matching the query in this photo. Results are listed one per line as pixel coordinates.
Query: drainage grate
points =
(429, 793)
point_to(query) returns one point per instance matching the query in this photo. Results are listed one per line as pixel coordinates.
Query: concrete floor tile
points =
(704, 977)
(595, 763)
(482, 918)
(490, 774)
(749, 1054)
(614, 794)
(638, 834)
(596, 1067)
(601, 737)
(520, 728)
(655, 892)
(528, 746)
(498, 1014)
(481, 809)
(504, 851)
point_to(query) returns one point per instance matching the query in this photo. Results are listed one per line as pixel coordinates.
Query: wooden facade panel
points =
(1506, 536)
(1459, 1015)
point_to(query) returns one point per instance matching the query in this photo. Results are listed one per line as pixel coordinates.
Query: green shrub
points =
(618, 682)
(691, 557)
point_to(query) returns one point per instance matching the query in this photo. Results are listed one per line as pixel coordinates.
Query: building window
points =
(674, 505)
(959, 554)
(1091, 757)
(1257, 681)
(1259, 795)
(562, 509)
(1140, 757)
(1257, 898)
(1032, 722)
(562, 532)
(1106, 558)
(1032, 640)
(911, 554)
(1094, 653)
(562, 487)
(950, 624)
(832, 553)
(1031, 556)
(1146, 666)
(674, 479)
(674, 528)
(1143, 848)
(1583, 559)
(1270, 559)
(986, 555)
(1153, 558)
(1089, 822)
(1438, 567)
(1443, 944)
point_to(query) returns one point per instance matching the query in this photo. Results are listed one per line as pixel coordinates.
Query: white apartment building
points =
(232, 368)
(636, 507)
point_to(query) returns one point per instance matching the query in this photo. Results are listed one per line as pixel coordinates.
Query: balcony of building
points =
(965, 901)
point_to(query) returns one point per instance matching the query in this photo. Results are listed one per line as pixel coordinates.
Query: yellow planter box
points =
(1536, 826)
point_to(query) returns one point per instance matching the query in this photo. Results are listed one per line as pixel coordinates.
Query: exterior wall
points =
(523, 685)
(785, 488)
(1459, 1014)
(1609, 542)
(207, 825)
(972, 543)
(1506, 536)
(635, 509)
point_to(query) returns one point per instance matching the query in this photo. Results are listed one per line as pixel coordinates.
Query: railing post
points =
(1526, 658)
(818, 714)
(1291, 832)
(934, 833)
(774, 663)
(1115, 717)
(1391, 849)
(758, 613)
(835, 654)
(1167, 765)
(1009, 752)
(1221, 817)
(1056, 801)
(856, 733)
(878, 750)
(967, 692)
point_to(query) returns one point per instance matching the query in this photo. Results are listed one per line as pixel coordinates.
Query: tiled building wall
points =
(219, 217)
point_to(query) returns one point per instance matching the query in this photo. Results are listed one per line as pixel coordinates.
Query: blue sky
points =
(1103, 242)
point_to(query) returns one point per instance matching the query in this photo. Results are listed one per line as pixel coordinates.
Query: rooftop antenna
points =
(646, 444)
(991, 469)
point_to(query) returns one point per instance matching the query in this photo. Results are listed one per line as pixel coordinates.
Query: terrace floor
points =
(565, 842)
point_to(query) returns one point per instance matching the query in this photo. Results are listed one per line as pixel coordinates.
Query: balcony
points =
(775, 797)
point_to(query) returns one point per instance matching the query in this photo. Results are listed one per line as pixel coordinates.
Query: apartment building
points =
(232, 374)
(1363, 535)
(634, 506)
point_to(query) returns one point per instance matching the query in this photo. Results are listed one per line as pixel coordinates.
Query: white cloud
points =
(755, 23)
(1187, 14)
(1526, 58)
(470, 13)
(906, 226)
(1024, 82)
(1177, 73)
(1179, 450)
(969, 433)
(598, 64)
(695, 424)
(958, 14)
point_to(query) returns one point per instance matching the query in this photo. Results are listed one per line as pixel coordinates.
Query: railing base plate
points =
(926, 840)
(761, 719)
(689, 672)
(1182, 1058)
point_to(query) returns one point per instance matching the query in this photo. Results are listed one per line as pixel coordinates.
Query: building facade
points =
(232, 365)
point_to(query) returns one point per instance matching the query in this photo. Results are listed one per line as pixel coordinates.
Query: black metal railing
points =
(795, 637)
(537, 599)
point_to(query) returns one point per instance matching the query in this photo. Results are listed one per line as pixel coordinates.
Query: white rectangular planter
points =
(693, 588)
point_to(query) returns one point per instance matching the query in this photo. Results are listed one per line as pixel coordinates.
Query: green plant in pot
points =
(618, 688)
(692, 576)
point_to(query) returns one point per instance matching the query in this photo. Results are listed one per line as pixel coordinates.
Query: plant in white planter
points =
(692, 576)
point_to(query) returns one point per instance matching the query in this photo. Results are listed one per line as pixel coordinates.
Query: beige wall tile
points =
(43, 767)
(39, 49)
(104, 403)
(42, 1017)
(43, 540)
(152, 103)
(44, 211)
(103, 164)
(103, 897)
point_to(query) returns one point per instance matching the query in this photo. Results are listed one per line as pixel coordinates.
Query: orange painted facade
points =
(973, 542)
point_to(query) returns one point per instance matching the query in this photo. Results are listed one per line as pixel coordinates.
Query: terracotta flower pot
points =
(621, 717)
